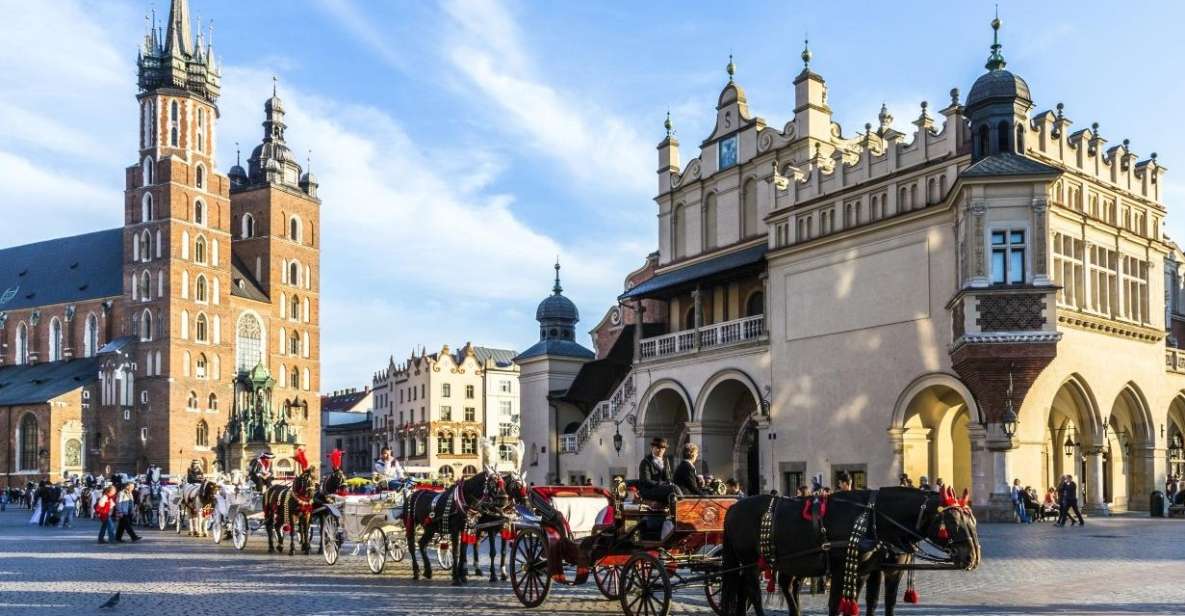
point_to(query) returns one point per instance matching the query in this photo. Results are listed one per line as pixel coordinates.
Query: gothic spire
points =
(179, 37)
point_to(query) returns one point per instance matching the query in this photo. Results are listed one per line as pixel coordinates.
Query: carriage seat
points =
(581, 510)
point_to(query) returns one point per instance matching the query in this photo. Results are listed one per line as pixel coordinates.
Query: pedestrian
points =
(1018, 502)
(845, 482)
(104, 508)
(924, 484)
(4, 500)
(1068, 492)
(904, 481)
(940, 486)
(69, 502)
(124, 504)
(1170, 492)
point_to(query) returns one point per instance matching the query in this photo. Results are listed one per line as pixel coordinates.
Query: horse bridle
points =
(915, 532)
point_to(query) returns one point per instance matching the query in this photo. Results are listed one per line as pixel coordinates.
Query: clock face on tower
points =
(727, 149)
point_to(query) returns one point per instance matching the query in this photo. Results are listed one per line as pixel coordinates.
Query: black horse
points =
(449, 513)
(329, 486)
(289, 508)
(893, 518)
(496, 526)
(891, 578)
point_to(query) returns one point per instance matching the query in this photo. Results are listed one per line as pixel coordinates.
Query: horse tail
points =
(731, 598)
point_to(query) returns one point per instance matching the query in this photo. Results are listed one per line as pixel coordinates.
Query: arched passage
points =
(934, 419)
(1175, 450)
(1126, 471)
(1071, 432)
(666, 415)
(727, 440)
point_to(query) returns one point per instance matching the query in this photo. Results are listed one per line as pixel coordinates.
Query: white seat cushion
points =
(581, 512)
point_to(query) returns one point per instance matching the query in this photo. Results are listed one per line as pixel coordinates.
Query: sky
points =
(462, 146)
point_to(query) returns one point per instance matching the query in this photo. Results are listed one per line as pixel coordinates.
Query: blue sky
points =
(462, 146)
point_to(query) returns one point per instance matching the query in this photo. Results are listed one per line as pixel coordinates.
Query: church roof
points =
(38, 383)
(501, 357)
(1006, 164)
(243, 284)
(557, 348)
(62, 270)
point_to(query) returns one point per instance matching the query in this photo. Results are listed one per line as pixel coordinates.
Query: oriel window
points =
(1008, 256)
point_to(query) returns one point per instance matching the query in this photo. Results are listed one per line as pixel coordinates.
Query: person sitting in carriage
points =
(195, 474)
(388, 471)
(259, 471)
(686, 478)
(654, 474)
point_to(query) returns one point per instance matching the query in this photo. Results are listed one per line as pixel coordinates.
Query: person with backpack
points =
(103, 509)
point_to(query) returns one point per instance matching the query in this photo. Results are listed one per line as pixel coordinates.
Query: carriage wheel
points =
(645, 587)
(396, 549)
(444, 558)
(608, 580)
(329, 539)
(162, 519)
(528, 567)
(712, 592)
(239, 530)
(376, 550)
(217, 528)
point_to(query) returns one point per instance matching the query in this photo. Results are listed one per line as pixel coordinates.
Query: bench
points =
(581, 511)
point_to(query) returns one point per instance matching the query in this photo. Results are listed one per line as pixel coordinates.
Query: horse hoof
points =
(458, 583)
(415, 577)
(493, 579)
(503, 577)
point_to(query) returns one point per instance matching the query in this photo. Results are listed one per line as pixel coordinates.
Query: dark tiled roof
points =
(243, 284)
(343, 402)
(501, 357)
(998, 84)
(37, 383)
(1006, 164)
(360, 425)
(559, 348)
(703, 269)
(62, 270)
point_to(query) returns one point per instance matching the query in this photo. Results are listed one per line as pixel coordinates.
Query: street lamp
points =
(617, 439)
(1009, 422)
(1069, 445)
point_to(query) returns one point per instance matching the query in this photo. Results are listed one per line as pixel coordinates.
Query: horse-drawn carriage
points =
(370, 522)
(238, 513)
(637, 552)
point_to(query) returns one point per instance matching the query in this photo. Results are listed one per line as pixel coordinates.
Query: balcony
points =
(718, 335)
(1174, 360)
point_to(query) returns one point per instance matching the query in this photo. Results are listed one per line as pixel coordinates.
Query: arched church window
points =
(191, 402)
(199, 212)
(202, 435)
(200, 327)
(1020, 139)
(294, 229)
(293, 273)
(248, 342)
(199, 250)
(294, 378)
(248, 226)
(146, 326)
(28, 444)
(145, 286)
(90, 336)
(55, 340)
(201, 135)
(146, 171)
(201, 366)
(200, 176)
(173, 124)
(1002, 130)
(294, 308)
(200, 291)
(212, 402)
(981, 143)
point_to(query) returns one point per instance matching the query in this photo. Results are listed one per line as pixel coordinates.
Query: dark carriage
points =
(637, 552)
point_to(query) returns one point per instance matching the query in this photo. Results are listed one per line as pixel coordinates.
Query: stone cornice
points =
(1080, 320)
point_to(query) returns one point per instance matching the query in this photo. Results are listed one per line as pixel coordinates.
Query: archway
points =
(666, 416)
(1175, 451)
(1070, 434)
(935, 434)
(723, 419)
(1125, 472)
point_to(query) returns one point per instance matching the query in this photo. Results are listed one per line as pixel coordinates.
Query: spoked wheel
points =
(645, 587)
(239, 530)
(218, 528)
(608, 580)
(712, 592)
(329, 546)
(528, 567)
(444, 555)
(162, 519)
(396, 551)
(376, 550)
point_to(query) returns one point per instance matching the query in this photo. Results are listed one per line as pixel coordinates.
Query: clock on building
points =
(727, 149)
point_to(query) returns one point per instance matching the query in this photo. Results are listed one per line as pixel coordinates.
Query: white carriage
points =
(372, 522)
(169, 510)
(238, 514)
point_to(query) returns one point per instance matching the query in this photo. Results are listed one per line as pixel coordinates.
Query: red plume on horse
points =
(302, 461)
(335, 459)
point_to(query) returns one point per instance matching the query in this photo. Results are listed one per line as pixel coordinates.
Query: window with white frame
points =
(1134, 278)
(1008, 256)
(506, 407)
(1068, 270)
(1104, 291)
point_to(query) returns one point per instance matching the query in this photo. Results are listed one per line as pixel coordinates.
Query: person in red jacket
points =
(104, 508)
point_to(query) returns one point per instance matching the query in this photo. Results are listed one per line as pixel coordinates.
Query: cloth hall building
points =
(191, 332)
(982, 294)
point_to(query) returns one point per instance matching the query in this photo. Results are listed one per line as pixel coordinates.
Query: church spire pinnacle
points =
(179, 36)
(557, 289)
(996, 60)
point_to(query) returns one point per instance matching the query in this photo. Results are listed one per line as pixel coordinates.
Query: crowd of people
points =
(58, 505)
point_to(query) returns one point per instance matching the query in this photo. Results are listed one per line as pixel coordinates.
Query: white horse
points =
(197, 499)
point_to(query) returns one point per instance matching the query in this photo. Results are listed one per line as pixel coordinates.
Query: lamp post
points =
(1009, 422)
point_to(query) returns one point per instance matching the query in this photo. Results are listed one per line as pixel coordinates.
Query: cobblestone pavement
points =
(1111, 566)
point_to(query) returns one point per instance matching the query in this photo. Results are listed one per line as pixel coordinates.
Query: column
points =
(697, 297)
(639, 320)
(897, 464)
(1093, 481)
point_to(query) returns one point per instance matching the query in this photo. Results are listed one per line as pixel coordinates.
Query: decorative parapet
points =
(1174, 360)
